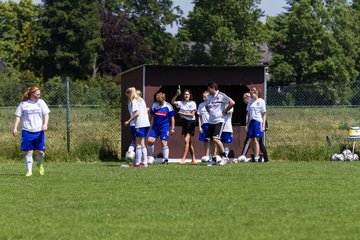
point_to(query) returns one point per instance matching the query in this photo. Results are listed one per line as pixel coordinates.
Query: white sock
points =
(151, 149)
(165, 152)
(226, 151)
(131, 147)
(256, 158)
(29, 162)
(138, 155)
(144, 155)
(40, 159)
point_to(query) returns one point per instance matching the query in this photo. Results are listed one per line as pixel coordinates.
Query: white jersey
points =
(143, 119)
(256, 108)
(132, 123)
(217, 105)
(228, 124)
(32, 114)
(186, 107)
(203, 113)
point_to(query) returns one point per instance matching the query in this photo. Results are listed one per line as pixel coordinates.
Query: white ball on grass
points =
(356, 157)
(242, 158)
(130, 155)
(151, 160)
(218, 158)
(205, 159)
(346, 152)
(340, 157)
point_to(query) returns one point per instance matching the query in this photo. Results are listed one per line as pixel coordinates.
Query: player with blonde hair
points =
(138, 112)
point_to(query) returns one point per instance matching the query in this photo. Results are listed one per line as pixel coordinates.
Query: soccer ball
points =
(205, 159)
(242, 158)
(346, 152)
(340, 157)
(218, 158)
(130, 155)
(356, 157)
(151, 160)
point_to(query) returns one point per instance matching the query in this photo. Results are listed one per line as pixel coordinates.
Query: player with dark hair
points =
(187, 110)
(218, 105)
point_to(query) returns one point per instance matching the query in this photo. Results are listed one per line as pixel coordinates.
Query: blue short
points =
(32, 140)
(162, 133)
(254, 130)
(202, 136)
(227, 137)
(142, 132)
(132, 133)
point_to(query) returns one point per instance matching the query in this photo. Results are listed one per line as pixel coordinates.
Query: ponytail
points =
(28, 92)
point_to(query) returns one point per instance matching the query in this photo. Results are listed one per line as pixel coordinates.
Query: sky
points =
(270, 7)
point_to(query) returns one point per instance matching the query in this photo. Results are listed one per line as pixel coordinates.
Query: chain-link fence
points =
(309, 122)
(300, 119)
(94, 121)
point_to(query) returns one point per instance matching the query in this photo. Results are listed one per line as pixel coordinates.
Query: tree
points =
(16, 36)
(224, 32)
(67, 38)
(150, 17)
(313, 42)
(123, 47)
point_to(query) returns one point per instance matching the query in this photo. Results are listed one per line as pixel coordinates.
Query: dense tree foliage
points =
(224, 32)
(16, 38)
(314, 41)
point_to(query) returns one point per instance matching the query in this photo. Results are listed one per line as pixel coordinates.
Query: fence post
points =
(68, 113)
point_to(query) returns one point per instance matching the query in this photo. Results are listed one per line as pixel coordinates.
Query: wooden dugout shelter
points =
(151, 79)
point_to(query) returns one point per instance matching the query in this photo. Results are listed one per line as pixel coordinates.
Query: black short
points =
(214, 131)
(188, 126)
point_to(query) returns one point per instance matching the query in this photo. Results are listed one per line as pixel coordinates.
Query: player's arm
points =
(172, 120)
(263, 122)
(199, 121)
(136, 114)
(46, 121)
(17, 121)
(191, 114)
(173, 100)
(247, 121)
(229, 106)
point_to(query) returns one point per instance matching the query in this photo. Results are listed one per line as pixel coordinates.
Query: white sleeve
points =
(263, 106)
(135, 106)
(19, 111)
(45, 109)
(178, 104)
(193, 105)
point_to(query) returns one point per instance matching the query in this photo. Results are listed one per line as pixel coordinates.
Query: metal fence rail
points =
(300, 118)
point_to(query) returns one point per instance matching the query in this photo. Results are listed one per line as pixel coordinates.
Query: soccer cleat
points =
(223, 161)
(41, 170)
(28, 174)
(212, 163)
(165, 161)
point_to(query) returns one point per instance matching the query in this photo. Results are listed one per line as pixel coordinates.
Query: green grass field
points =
(277, 200)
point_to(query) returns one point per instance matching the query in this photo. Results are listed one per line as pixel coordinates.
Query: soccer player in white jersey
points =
(132, 127)
(187, 110)
(227, 132)
(255, 121)
(138, 113)
(163, 123)
(35, 117)
(246, 99)
(218, 105)
(204, 125)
